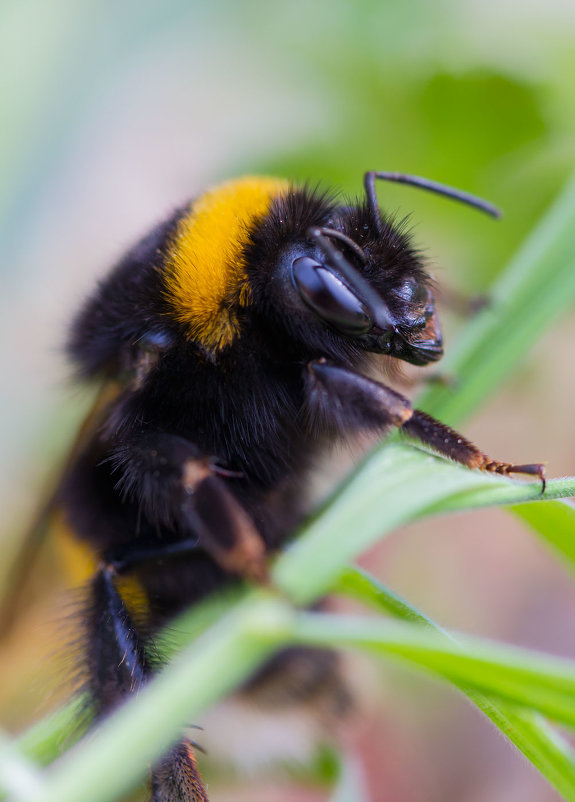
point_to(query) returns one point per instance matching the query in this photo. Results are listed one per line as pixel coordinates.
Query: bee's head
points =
(342, 282)
(346, 278)
(382, 308)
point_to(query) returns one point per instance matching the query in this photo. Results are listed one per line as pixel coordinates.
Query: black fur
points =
(247, 422)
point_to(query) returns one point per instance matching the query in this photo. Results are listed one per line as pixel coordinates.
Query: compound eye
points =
(329, 297)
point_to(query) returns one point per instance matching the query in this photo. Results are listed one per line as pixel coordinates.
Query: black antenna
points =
(339, 235)
(423, 183)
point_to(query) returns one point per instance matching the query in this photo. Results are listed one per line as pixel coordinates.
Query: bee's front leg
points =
(174, 484)
(342, 401)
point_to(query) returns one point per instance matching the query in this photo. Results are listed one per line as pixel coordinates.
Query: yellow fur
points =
(80, 564)
(205, 268)
(76, 556)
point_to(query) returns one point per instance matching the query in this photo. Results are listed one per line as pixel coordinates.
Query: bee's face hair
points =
(332, 277)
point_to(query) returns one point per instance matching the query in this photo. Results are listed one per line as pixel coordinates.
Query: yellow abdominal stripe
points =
(205, 265)
(78, 559)
(80, 563)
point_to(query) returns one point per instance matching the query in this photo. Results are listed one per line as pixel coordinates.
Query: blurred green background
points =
(113, 113)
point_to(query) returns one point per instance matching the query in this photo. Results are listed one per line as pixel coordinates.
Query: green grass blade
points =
(46, 739)
(503, 493)
(517, 676)
(395, 486)
(350, 785)
(554, 522)
(114, 758)
(545, 748)
(106, 765)
(423, 480)
(17, 773)
(355, 583)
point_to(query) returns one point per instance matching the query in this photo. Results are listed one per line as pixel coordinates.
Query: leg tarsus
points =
(532, 469)
(176, 778)
(453, 445)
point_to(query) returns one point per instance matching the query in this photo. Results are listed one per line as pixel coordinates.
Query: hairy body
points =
(234, 338)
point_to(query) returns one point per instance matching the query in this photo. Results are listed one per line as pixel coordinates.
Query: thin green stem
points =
(420, 480)
(528, 731)
(519, 677)
(395, 486)
(19, 775)
(114, 758)
(106, 765)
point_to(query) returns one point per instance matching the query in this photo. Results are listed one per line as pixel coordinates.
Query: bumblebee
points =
(234, 342)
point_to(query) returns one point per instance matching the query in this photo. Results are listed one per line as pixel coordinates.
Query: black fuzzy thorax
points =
(244, 410)
(244, 407)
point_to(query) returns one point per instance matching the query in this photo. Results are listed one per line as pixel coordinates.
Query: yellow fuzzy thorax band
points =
(205, 266)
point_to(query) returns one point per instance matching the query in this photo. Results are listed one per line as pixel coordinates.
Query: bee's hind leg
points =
(119, 665)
